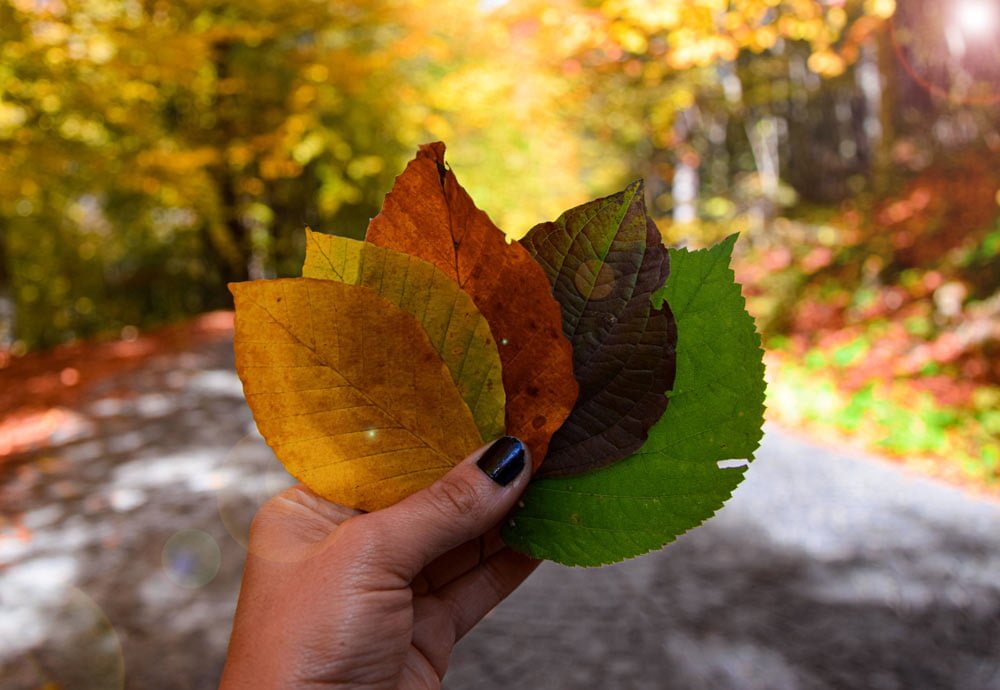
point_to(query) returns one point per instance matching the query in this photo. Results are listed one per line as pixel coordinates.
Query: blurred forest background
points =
(152, 150)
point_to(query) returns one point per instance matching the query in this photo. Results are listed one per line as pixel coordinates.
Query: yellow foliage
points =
(827, 63)
(307, 107)
(883, 9)
(11, 117)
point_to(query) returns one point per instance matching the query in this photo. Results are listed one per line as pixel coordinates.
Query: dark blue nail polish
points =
(503, 461)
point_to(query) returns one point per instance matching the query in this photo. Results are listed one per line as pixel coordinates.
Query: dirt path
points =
(120, 557)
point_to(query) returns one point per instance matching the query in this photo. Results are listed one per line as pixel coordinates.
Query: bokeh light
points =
(154, 152)
(978, 18)
(81, 650)
(250, 475)
(191, 558)
(951, 51)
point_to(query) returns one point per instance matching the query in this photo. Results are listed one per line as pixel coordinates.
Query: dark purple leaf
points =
(604, 260)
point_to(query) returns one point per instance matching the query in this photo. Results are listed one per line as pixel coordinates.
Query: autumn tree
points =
(152, 151)
(714, 95)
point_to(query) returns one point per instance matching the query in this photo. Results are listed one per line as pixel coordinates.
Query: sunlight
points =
(977, 17)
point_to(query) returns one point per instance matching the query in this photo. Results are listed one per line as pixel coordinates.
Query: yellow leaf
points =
(347, 390)
(826, 63)
(457, 331)
(883, 9)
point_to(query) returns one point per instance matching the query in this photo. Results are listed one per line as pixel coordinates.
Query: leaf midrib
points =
(322, 361)
(602, 257)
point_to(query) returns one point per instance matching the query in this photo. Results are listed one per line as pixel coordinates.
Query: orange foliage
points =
(39, 391)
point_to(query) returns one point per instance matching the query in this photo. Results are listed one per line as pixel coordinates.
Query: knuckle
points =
(354, 533)
(357, 541)
(496, 580)
(454, 497)
(264, 520)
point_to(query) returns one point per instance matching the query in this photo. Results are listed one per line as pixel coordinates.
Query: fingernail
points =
(503, 461)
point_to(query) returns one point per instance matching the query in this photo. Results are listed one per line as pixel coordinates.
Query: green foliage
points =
(673, 483)
(164, 150)
(883, 318)
(898, 418)
(151, 152)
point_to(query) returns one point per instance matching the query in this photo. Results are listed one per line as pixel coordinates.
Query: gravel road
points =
(120, 557)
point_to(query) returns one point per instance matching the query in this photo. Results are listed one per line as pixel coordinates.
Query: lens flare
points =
(250, 475)
(972, 24)
(80, 648)
(191, 558)
(977, 17)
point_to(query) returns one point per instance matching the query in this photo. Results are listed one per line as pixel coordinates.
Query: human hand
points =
(335, 597)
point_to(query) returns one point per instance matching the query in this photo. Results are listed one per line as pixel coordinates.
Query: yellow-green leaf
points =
(458, 332)
(340, 382)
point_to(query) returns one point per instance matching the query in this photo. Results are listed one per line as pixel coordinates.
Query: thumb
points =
(464, 504)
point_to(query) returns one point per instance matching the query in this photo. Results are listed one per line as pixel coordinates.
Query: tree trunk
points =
(882, 177)
(234, 247)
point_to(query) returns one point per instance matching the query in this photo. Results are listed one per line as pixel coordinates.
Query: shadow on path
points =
(121, 553)
(822, 572)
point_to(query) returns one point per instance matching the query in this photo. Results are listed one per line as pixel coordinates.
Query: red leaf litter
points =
(39, 391)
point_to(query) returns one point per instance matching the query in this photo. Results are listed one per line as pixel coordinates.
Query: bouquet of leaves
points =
(632, 372)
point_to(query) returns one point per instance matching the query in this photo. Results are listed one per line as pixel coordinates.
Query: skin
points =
(335, 598)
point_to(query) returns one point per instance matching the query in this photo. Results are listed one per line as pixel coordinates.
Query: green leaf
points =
(604, 260)
(458, 332)
(674, 482)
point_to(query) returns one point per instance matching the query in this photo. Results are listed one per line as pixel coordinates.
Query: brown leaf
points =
(340, 382)
(605, 259)
(429, 215)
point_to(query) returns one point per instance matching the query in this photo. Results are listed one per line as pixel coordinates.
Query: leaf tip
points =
(730, 242)
(434, 150)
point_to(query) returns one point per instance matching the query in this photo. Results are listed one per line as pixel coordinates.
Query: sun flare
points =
(978, 17)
